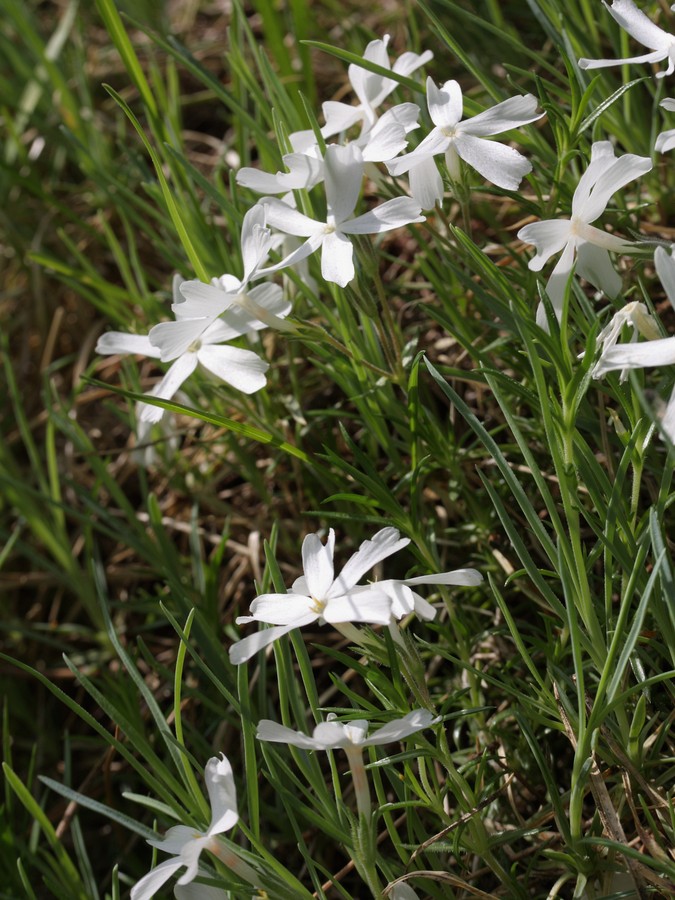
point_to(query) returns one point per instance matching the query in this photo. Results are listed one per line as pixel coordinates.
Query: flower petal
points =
(615, 176)
(333, 735)
(339, 117)
(148, 886)
(382, 545)
(594, 264)
(665, 141)
(388, 215)
(435, 142)
(337, 258)
(409, 62)
(511, 113)
(638, 356)
(283, 609)
(638, 25)
(548, 236)
(200, 892)
(279, 734)
(114, 342)
(243, 369)
(498, 163)
(426, 184)
(173, 339)
(203, 300)
(368, 605)
(401, 728)
(317, 563)
(222, 794)
(385, 142)
(445, 103)
(282, 216)
(665, 269)
(556, 286)
(181, 369)
(255, 240)
(469, 577)
(243, 650)
(343, 177)
(655, 56)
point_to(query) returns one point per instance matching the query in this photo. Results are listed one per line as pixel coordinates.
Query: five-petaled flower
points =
(185, 843)
(576, 236)
(457, 139)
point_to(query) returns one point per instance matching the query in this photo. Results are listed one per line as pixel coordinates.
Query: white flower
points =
(640, 27)
(371, 89)
(186, 843)
(239, 368)
(496, 162)
(666, 140)
(332, 735)
(343, 177)
(318, 596)
(197, 305)
(304, 164)
(660, 352)
(576, 236)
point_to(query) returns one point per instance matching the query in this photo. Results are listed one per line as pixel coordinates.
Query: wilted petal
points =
(549, 237)
(594, 264)
(426, 184)
(243, 369)
(382, 545)
(280, 734)
(498, 163)
(114, 342)
(337, 259)
(222, 794)
(388, 215)
(511, 113)
(401, 728)
(317, 563)
(445, 103)
(148, 886)
(601, 238)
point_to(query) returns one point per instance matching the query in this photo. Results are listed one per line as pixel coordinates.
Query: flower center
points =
(449, 131)
(317, 606)
(194, 346)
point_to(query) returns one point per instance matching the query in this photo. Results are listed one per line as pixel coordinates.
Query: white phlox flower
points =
(659, 352)
(319, 596)
(576, 236)
(197, 305)
(634, 315)
(185, 843)
(333, 735)
(343, 178)
(666, 140)
(640, 27)
(371, 89)
(457, 139)
(242, 369)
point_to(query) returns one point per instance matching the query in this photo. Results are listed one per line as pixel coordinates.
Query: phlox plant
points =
(389, 611)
